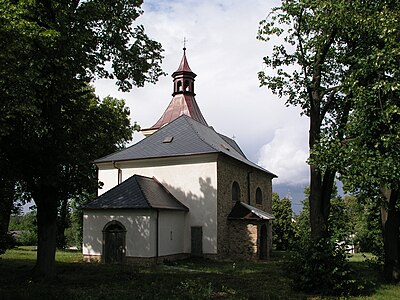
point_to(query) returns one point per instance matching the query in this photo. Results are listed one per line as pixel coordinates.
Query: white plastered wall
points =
(140, 231)
(192, 180)
(108, 175)
(171, 232)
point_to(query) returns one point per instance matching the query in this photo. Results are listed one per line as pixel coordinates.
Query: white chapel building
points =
(184, 190)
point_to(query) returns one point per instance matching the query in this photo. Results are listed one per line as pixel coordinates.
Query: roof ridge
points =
(230, 147)
(168, 192)
(198, 135)
(211, 145)
(141, 190)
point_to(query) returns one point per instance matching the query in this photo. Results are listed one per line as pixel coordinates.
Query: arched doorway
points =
(263, 244)
(114, 242)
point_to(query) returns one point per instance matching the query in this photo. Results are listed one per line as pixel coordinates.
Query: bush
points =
(26, 238)
(321, 267)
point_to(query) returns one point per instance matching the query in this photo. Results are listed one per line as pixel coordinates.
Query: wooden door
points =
(197, 241)
(263, 236)
(114, 244)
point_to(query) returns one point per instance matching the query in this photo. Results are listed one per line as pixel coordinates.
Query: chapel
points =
(184, 190)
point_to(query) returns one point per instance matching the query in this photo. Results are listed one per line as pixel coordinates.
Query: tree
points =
(49, 52)
(322, 266)
(368, 159)
(374, 131)
(283, 228)
(317, 48)
(110, 129)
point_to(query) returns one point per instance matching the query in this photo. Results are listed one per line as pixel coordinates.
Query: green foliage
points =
(368, 226)
(74, 233)
(51, 124)
(342, 219)
(321, 267)
(23, 222)
(192, 289)
(27, 238)
(26, 228)
(283, 228)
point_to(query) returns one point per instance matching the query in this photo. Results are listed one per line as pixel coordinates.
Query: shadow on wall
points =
(202, 211)
(136, 222)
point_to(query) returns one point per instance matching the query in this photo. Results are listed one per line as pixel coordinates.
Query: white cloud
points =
(287, 153)
(223, 51)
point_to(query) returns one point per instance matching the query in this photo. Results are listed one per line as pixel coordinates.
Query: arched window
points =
(186, 86)
(235, 192)
(192, 87)
(258, 196)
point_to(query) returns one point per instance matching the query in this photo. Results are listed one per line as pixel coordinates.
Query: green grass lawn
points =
(190, 279)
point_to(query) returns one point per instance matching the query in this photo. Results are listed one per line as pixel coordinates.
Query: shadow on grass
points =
(189, 279)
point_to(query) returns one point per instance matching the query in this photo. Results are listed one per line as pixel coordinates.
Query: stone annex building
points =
(184, 190)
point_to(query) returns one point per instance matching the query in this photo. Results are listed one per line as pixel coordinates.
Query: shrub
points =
(321, 267)
(27, 238)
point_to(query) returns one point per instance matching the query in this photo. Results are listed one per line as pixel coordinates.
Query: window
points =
(186, 85)
(235, 192)
(258, 196)
(179, 86)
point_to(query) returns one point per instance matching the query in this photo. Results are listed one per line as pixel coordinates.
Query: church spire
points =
(183, 101)
(183, 77)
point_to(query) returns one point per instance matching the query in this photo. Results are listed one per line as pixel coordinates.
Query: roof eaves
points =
(259, 212)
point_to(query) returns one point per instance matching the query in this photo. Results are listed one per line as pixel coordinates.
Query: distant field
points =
(191, 279)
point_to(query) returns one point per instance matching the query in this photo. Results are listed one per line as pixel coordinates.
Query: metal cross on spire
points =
(184, 43)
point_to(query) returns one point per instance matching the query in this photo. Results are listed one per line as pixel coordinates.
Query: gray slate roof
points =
(137, 192)
(188, 137)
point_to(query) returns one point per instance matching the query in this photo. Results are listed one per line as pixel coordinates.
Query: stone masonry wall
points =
(243, 240)
(230, 170)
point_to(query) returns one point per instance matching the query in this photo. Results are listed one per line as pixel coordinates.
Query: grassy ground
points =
(191, 279)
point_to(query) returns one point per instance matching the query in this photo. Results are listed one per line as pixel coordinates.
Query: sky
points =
(223, 51)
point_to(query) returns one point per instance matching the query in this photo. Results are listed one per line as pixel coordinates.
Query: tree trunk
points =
(391, 235)
(321, 185)
(62, 224)
(46, 202)
(6, 204)
(320, 197)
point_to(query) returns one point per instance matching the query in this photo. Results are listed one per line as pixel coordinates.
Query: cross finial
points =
(184, 43)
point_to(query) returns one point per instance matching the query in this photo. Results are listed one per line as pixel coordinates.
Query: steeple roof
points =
(183, 101)
(184, 65)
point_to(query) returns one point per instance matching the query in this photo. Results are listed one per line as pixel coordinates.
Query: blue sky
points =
(223, 51)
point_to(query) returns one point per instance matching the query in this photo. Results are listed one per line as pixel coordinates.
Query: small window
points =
(168, 139)
(179, 86)
(235, 192)
(258, 196)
